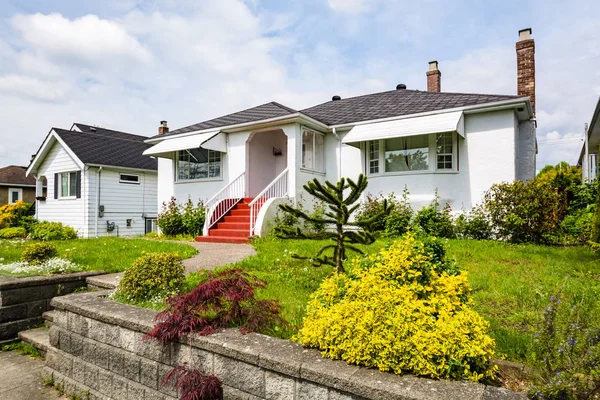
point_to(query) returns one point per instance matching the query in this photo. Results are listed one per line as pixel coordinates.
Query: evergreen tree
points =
(337, 216)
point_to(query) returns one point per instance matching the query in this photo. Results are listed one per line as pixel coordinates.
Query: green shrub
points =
(52, 231)
(13, 233)
(12, 214)
(192, 218)
(525, 211)
(373, 205)
(316, 224)
(399, 220)
(37, 253)
(152, 275)
(401, 310)
(576, 228)
(170, 220)
(596, 220)
(566, 353)
(434, 220)
(474, 225)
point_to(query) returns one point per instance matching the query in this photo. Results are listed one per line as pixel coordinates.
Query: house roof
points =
(101, 146)
(593, 134)
(368, 107)
(15, 175)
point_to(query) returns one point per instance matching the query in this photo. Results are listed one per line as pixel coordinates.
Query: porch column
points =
(292, 132)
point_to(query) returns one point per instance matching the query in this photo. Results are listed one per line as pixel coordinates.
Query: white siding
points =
(67, 211)
(121, 201)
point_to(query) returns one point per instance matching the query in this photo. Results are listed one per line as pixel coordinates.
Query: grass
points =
(107, 254)
(22, 348)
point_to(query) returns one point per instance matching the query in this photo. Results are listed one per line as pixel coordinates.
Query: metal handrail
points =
(225, 199)
(277, 188)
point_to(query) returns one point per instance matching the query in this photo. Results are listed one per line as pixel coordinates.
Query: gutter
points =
(340, 156)
(99, 174)
(121, 168)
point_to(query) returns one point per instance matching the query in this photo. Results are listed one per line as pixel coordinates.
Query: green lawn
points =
(107, 254)
(511, 283)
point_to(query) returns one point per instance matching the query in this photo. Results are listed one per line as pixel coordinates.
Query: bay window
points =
(412, 154)
(198, 164)
(313, 151)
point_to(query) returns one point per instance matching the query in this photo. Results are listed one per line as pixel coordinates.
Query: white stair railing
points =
(218, 205)
(277, 188)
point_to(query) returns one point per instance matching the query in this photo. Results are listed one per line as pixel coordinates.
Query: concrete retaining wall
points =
(24, 300)
(97, 349)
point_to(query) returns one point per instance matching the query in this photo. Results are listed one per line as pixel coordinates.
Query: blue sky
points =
(127, 64)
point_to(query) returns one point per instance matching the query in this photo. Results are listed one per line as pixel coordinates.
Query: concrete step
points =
(38, 338)
(48, 318)
(103, 282)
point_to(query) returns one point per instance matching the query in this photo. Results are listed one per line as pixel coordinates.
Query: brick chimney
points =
(434, 78)
(163, 128)
(526, 66)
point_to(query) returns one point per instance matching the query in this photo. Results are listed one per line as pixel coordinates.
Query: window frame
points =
(128, 182)
(312, 168)
(432, 158)
(19, 192)
(70, 195)
(208, 157)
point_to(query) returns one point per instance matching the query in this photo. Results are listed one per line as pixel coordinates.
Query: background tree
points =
(339, 209)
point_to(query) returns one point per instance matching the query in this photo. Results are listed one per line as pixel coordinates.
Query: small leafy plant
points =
(193, 218)
(17, 232)
(434, 220)
(52, 231)
(474, 224)
(37, 253)
(152, 275)
(170, 220)
(193, 384)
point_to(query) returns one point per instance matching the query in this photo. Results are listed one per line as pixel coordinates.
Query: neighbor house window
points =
(150, 225)
(15, 194)
(420, 153)
(129, 178)
(198, 164)
(313, 150)
(68, 184)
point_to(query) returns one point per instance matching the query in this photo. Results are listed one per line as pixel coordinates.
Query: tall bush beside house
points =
(169, 219)
(474, 224)
(406, 309)
(193, 218)
(525, 211)
(596, 220)
(16, 214)
(435, 220)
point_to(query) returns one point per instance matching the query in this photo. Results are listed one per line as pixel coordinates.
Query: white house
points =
(243, 164)
(98, 181)
(589, 160)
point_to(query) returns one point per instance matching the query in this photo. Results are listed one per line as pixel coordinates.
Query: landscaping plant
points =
(169, 219)
(474, 224)
(52, 231)
(434, 220)
(193, 218)
(400, 218)
(174, 220)
(17, 232)
(567, 353)
(406, 309)
(14, 214)
(193, 384)
(340, 209)
(152, 275)
(37, 253)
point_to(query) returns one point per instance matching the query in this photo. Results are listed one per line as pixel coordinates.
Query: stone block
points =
(193, 357)
(310, 391)
(149, 373)
(166, 389)
(53, 335)
(66, 365)
(279, 387)
(230, 393)
(97, 331)
(240, 375)
(115, 360)
(131, 367)
(13, 313)
(78, 370)
(10, 330)
(64, 340)
(36, 308)
(102, 355)
(89, 351)
(76, 345)
(128, 339)
(19, 295)
(60, 319)
(135, 392)
(331, 373)
(53, 359)
(496, 393)
(119, 388)
(337, 395)
(49, 291)
(91, 376)
(78, 324)
(153, 350)
(105, 380)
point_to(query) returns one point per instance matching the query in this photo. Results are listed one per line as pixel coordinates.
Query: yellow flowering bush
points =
(405, 309)
(11, 214)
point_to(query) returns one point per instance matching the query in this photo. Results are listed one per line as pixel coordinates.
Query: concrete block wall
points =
(97, 351)
(24, 300)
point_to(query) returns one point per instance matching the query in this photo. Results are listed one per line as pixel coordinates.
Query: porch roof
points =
(448, 122)
(214, 140)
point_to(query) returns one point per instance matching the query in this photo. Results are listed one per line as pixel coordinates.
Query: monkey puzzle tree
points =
(340, 209)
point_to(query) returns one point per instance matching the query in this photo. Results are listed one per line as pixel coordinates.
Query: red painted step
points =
(215, 239)
(234, 227)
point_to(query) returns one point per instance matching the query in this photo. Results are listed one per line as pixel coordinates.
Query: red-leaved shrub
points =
(225, 299)
(192, 384)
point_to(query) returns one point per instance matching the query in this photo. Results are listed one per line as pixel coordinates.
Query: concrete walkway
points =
(20, 378)
(210, 256)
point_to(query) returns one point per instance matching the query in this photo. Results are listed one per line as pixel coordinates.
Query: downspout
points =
(340, 155)
(98, 198)
(585, 165)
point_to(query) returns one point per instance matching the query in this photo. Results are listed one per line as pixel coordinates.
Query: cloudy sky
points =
(127, 64)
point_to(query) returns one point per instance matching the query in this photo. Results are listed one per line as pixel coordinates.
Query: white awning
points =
(211, 140)
(448, 122)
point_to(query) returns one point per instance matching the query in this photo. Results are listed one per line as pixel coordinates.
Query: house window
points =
(198, 164)
(129, 178)
(15, 194)
(420, 153)
(150, 225)
(68, 184)
(313, 150)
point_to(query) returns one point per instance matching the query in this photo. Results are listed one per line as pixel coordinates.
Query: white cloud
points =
(348, 6)
(33, 88)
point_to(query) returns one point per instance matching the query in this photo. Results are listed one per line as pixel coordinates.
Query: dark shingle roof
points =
(265, 111)
(107, 147)
(392, 104)
(15, 174)
(355, 109)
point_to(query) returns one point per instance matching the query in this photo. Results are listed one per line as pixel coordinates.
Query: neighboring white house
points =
(459, 144)
(589, 160)
(99, 182)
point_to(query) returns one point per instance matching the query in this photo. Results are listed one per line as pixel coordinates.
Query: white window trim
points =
(315, 133)
(70, 196)
(129, 182)
(210, 178)
(432, 159)
(13, 190)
